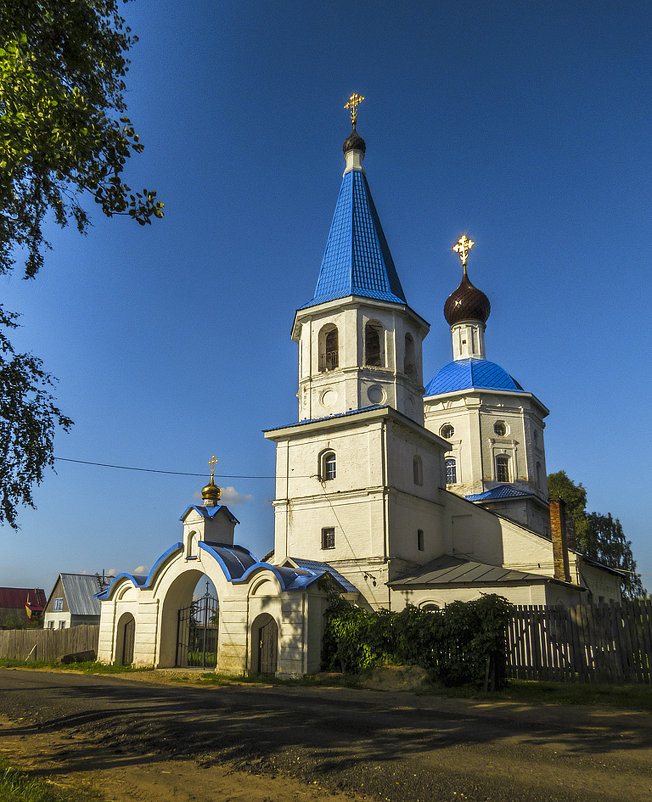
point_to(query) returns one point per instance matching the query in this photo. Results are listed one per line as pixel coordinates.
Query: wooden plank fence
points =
(48, 644)
(587, 643)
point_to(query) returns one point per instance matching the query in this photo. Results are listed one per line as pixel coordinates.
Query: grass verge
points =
(88, 667)
(19, 786)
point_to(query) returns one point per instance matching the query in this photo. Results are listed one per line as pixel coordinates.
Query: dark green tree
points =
(64, 138)
(599, 537)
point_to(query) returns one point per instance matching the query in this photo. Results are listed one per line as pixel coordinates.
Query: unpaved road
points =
(137, 740)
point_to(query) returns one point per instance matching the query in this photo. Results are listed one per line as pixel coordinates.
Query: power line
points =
(157, 470)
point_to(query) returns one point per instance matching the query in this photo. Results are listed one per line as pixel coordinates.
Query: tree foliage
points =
(453, 644)
(28, 419)
(599, 537)
(64, 138)
(63, 133)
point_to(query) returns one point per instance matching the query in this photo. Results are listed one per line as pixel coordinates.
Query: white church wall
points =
(602, 586)
(441, 596)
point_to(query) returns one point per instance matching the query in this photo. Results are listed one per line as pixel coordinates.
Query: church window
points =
(502, 468)
(328, 466)
(420, 540)
(57, 604)
(451, 471)
(328, 348)
(372, 345)
(500, 428)
(417, 470)
(447, 431)
(328, 538)
(409, 366)
(430, 607)
(539, 475)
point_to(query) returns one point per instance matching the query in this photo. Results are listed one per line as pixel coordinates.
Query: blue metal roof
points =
(325, 568)
(210, 512)
(357, 260)
(499, 492)
(327, 417)
(465, 374)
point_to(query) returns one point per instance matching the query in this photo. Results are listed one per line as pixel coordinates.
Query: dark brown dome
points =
(466, 303)
(354, 142)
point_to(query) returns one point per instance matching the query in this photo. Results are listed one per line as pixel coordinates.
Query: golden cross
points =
(462, 248)
(213, 462)
(354, 101)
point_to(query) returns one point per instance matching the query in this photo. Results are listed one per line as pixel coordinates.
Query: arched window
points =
(447, 431)
(451, 471)
(502, 468)
(372, 345)
(429, 607)
(409, 366)
(328, 466)
(328, 348)
(417, 470)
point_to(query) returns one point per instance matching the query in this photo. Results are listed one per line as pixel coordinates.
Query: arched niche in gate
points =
(125, 637)
(264, 645)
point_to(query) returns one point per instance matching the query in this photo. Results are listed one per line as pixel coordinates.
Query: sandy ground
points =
(155, 739)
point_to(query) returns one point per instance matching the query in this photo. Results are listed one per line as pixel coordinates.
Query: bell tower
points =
(359, 342)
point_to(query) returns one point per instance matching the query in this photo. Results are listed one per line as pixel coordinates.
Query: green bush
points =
(456, 645)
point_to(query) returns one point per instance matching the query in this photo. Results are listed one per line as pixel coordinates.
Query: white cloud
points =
(231, 496)
(140, 569)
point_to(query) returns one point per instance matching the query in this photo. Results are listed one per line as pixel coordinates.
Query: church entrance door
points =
(265, 644)
(197, 633)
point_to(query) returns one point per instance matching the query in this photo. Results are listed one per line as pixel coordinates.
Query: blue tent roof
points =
(497, 493)
(464, 374)
(357, 260)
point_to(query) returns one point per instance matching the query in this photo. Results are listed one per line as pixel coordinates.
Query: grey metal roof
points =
(80, 590)
(448, 570)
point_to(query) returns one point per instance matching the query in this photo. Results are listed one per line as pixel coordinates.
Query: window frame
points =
(451, 462)
(327, 538)
(502, 462)
(57, 604)
(444, 429)
(328, 465)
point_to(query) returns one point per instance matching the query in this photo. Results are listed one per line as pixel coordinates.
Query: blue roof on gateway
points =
(465, 374)
(357, 260)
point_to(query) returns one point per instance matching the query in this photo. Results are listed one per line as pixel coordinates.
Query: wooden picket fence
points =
(48, 644)
(587, 643)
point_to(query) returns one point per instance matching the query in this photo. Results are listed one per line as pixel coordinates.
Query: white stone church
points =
(401, 494)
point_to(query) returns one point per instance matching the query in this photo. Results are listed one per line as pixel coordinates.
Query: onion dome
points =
(211, 493)
(354, 142)
(466, 303)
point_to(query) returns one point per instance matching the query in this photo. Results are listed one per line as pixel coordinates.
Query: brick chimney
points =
(559, 542)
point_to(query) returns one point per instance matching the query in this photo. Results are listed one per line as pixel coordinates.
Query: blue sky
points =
(525, 124)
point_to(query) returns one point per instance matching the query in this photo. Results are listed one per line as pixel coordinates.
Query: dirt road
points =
(142, 741)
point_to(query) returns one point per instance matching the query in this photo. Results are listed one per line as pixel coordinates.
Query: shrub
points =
(455, 645)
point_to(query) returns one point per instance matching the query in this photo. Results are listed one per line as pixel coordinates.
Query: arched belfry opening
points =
(329, 358)
(373, 341)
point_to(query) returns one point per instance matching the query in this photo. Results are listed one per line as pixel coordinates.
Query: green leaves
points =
(63, 132)
(452, 644)
(599, 537)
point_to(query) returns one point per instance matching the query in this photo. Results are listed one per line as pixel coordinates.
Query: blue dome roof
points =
(465, 374)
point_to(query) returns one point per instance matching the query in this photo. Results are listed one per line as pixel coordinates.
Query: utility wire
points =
(156, 470)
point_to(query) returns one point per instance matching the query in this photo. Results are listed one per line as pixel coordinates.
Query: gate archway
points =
(264, 644)
(198, 632)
